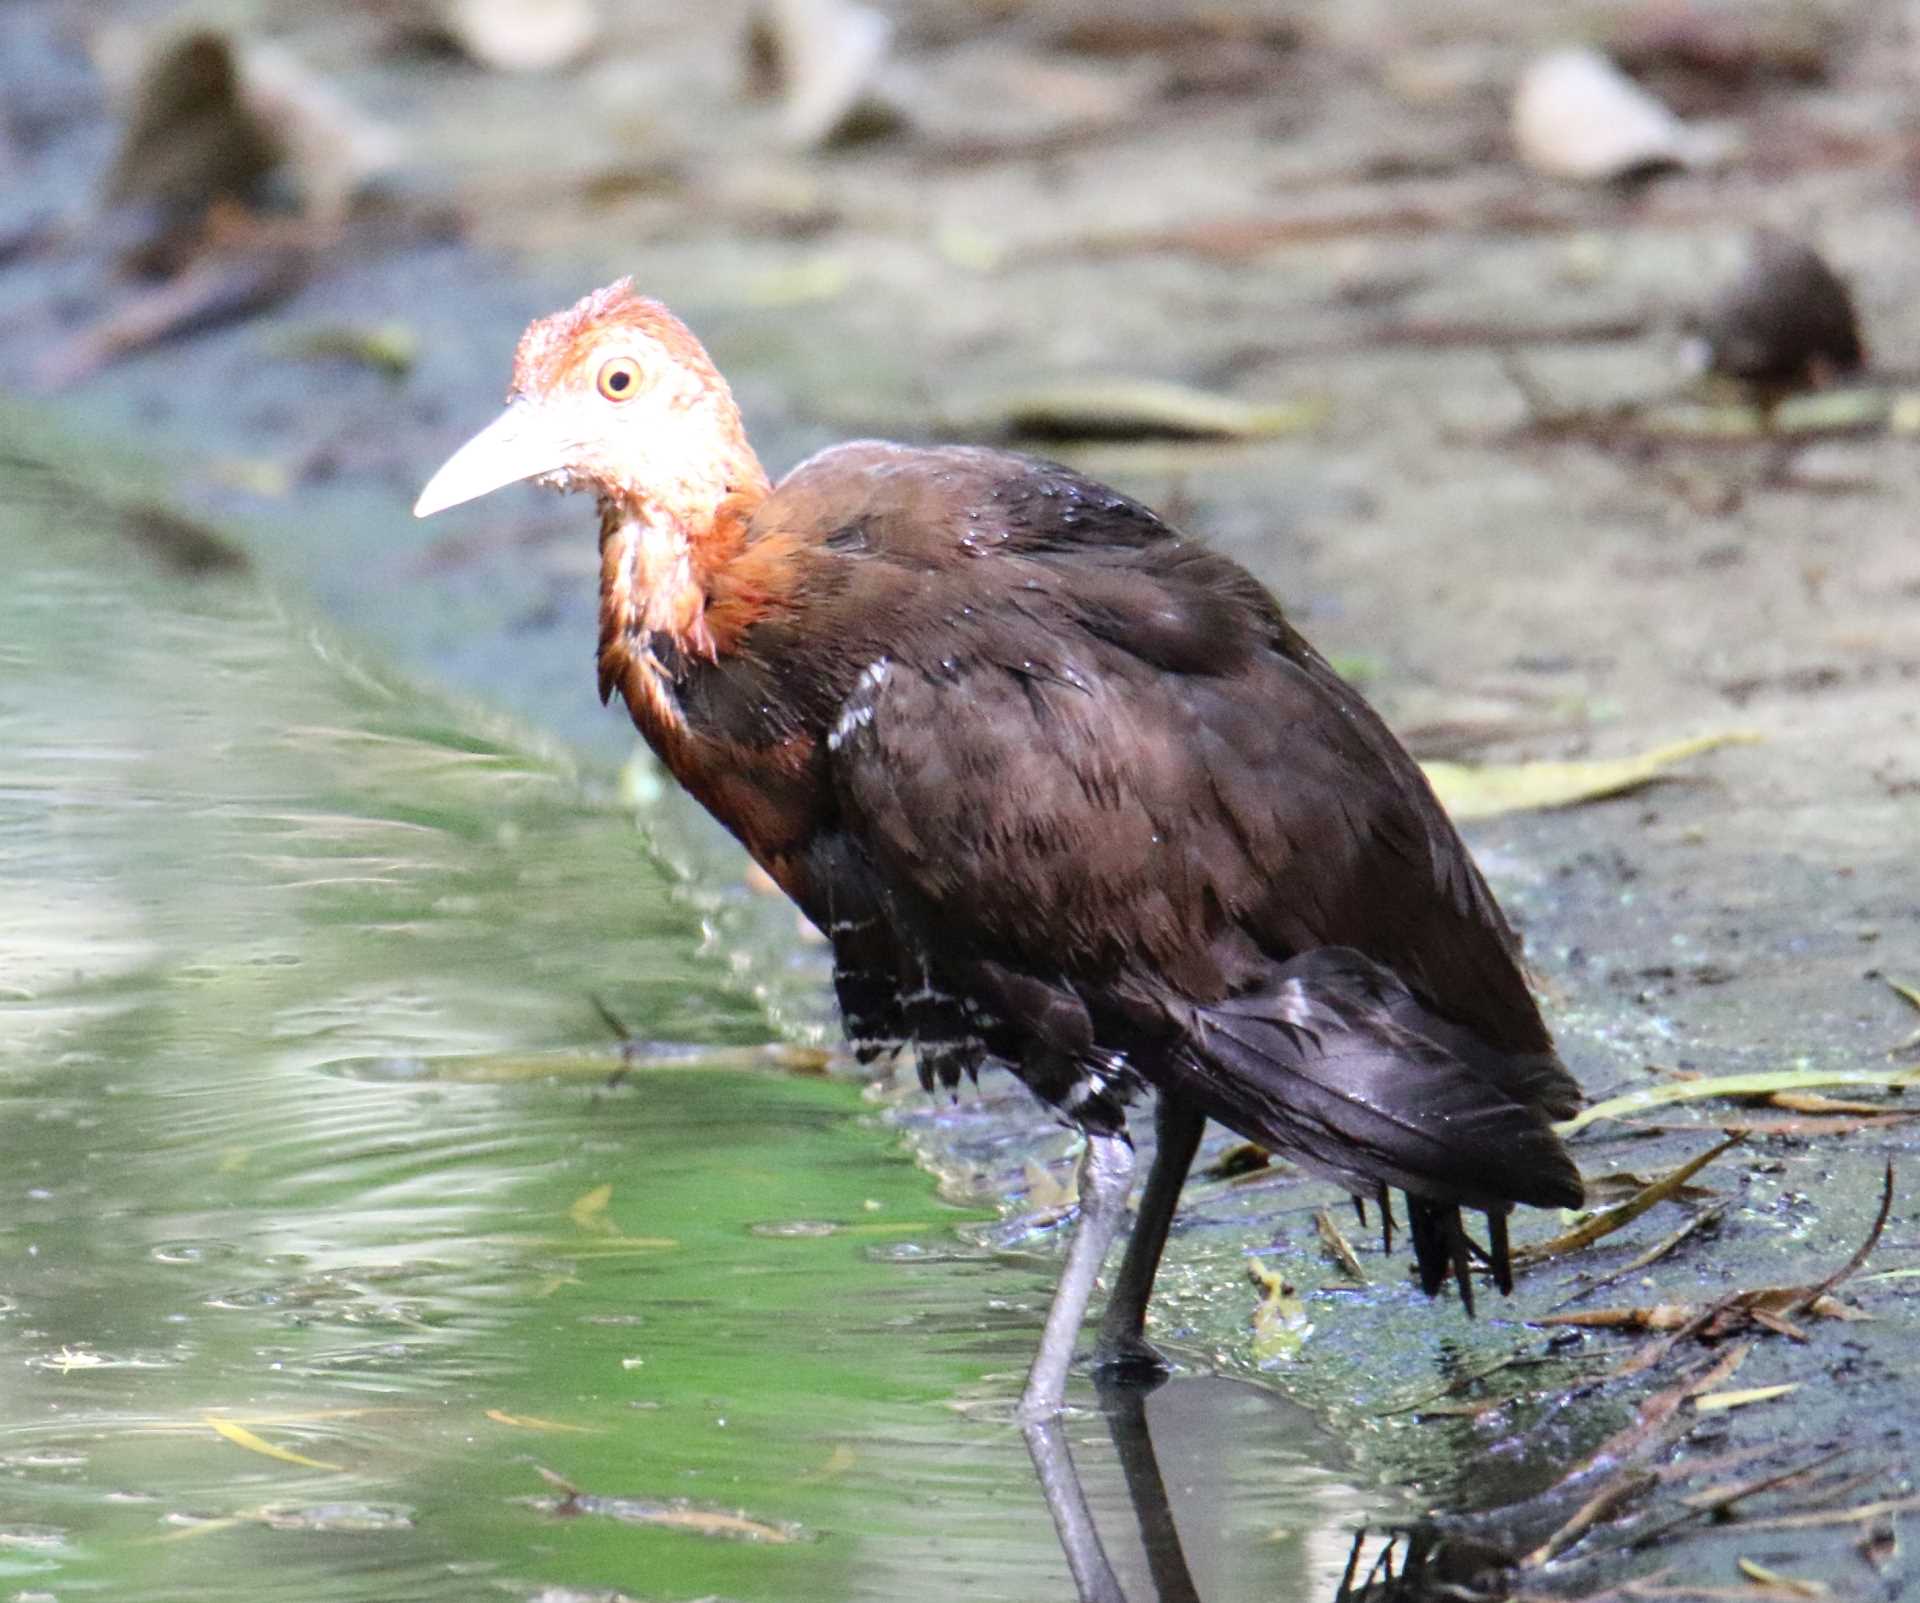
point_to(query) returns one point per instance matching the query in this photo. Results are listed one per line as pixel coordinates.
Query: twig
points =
(1700, 1221)
(1858, 1260)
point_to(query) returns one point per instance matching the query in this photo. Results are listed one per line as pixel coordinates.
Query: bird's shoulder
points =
(950, 504)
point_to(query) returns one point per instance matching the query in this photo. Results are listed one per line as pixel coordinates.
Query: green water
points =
(325, 1228)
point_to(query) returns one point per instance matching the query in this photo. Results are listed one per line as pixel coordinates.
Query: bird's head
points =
(616, 396)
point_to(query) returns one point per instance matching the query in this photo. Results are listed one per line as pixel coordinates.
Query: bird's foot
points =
(1129, 1360)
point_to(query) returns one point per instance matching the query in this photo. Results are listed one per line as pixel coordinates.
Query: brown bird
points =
(1065, 791)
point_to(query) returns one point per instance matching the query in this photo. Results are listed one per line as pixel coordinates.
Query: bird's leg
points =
(1123, 1350)
(1093, 1576)
(1106, 1176)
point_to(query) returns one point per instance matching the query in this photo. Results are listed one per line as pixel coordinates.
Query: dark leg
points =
(1123, 1346)
(1126, 1410)
(1106, 1176)
(1093, 1576)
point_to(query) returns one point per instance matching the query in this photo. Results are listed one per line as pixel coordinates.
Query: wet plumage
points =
(1062, 787)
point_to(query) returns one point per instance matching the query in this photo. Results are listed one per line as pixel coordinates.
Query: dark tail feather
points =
(1339, 1067)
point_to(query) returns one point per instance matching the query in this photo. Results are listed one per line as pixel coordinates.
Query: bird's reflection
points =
(1124, 1405)
(1399, 1567)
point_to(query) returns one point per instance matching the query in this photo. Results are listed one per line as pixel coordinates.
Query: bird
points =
(1066, 792)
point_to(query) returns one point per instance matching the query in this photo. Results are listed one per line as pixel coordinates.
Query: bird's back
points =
(1068, 743)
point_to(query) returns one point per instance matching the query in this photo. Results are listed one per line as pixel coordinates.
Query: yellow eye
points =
(619, 379)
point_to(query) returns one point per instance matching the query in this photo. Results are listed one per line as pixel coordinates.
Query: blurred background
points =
(1555, 364)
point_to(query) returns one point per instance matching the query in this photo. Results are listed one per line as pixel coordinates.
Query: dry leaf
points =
(240, 1436)
(390, 349)
(1487, 790)
(589, 1211)
(1605, 1223)
(1755, 1571)
(1711, 1402)
(1339, 1249)
(1763, 1083)
(1133, 409)
(529, 1422)
(1280, 1323)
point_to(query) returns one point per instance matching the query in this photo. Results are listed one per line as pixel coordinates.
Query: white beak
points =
(524, 442)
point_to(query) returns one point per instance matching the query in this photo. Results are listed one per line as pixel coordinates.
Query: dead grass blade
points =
(1654, 1424)
(1858, 1261)
(1605, 1223)
(1755, 1571)
(1338, 1248)
(1859, 1515)
(240, 1436)
(1763, 1083)
(1703, 1220)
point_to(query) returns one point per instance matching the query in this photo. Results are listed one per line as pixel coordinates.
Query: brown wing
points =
(1135, 776)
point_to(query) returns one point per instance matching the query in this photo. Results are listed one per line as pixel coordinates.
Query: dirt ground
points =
(1488, 520)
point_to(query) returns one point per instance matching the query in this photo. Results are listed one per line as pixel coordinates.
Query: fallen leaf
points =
(572, 1503)
(808, 283)
(1712, 1402)
(1654, 1316)
(1605, 1223)
(1761, 1083)
(1339, 1249)
(589, 1212)
(1280, 1323)
(390, 349)
(1134, 409)
(529, 1422)
(1706, 1219)
(1814, 1102)
(1241, 1158)
(1845, 1516)
(1487, 790)
(1755, 1571)
(240, 1436)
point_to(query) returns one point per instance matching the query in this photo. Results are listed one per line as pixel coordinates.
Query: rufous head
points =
(616, 396)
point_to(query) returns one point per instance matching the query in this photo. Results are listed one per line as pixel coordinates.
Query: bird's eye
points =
(619, 379)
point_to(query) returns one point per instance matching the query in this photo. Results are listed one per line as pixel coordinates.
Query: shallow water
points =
(334, 1251)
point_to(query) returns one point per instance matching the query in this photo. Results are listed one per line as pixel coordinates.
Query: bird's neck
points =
(679, 582)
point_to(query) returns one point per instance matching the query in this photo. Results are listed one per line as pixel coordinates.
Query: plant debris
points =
(232, 1430)
(1761, 1083)
(1706, 1219)
(1133, 409)
(1280, 1321)
(1604, 1224)
(1486, 790)
(675, 1514)
(1338, 1248)
(1771, 1308)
